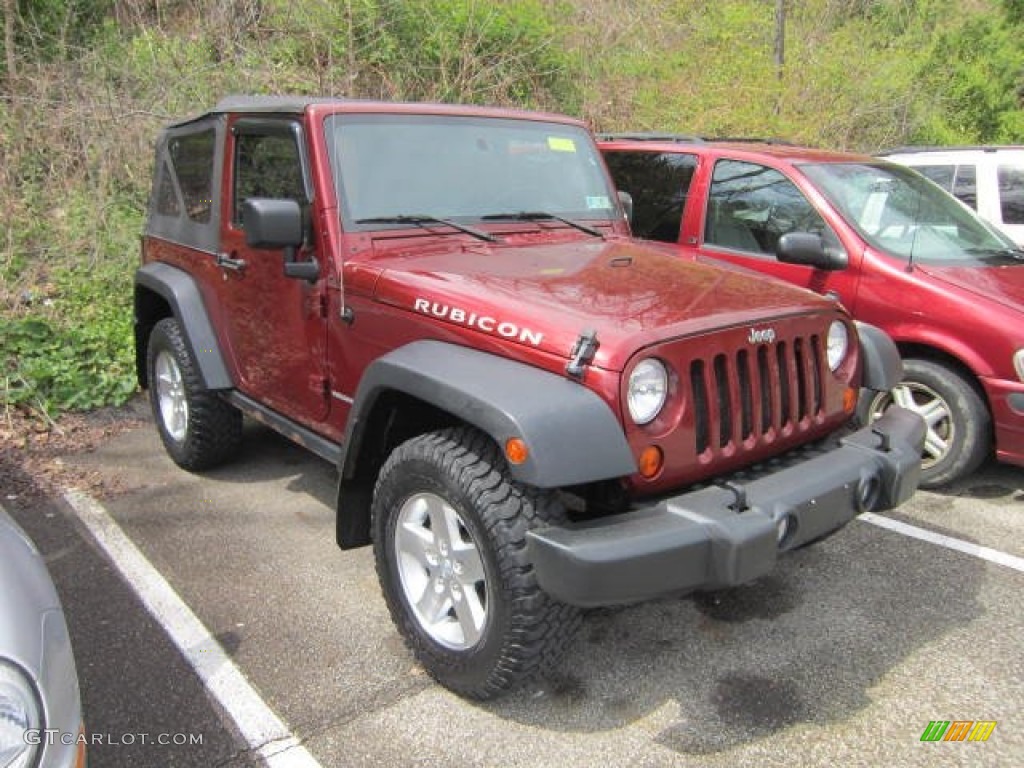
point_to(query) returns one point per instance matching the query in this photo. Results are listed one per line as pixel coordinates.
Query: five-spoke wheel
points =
(197, 427)
(449, 536)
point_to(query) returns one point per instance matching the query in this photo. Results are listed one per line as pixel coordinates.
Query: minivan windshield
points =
(899, 211)
(389, 167)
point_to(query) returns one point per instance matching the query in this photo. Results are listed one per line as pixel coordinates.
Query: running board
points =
(297, 433)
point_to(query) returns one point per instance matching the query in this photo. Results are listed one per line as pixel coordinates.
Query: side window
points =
(965, 186)
(750, 207)
(1011, 193)
(192, 158)
(659, 183)
(267, 165)
(166, 197)
(940, 174)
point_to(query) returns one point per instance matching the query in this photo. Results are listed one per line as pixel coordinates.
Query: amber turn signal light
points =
(849, 399)
(516, 451)
(651, 461)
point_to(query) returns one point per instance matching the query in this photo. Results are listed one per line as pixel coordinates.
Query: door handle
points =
(227, 262)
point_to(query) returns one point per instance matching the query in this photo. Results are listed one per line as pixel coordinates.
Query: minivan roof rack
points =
(750, 140)
(911, 149)
(669, 137)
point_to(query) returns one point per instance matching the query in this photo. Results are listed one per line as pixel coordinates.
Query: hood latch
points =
(583, 352)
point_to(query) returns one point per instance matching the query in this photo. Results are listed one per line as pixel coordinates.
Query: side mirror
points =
(626, 201)
(272, 224)
(809, 250)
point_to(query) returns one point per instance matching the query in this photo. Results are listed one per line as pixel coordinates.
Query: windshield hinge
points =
(583, 352)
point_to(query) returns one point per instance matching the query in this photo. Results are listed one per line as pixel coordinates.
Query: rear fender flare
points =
(179, 290)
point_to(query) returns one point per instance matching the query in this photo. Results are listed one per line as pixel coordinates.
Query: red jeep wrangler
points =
(894, 248)
(530, 413)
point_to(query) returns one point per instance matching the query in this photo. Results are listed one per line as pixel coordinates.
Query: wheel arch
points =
(572, 435)
(165, 291)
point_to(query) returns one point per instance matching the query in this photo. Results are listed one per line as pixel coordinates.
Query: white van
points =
(988, 179)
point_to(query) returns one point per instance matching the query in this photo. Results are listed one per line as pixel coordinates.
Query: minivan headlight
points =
(647, 390)
(19, 713)
(837, 345)
(1018, 363)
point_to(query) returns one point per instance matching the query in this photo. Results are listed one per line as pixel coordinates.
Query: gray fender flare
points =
(179, 290)
(572, 435)
(880, 359)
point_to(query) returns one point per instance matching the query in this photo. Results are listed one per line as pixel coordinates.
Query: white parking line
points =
(985, 553)
(262, 730)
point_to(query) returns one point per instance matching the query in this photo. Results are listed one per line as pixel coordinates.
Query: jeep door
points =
(275, 325)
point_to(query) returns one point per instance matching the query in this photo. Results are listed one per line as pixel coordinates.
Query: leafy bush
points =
(74, 352)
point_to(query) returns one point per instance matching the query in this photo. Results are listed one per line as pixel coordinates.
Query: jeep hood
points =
(545, 296)
(1001, 284)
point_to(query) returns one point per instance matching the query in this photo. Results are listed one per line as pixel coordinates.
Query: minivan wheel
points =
(199, 430)
(959, 432)
(449, 539)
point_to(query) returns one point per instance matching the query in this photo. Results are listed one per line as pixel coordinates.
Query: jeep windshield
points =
(904, 214)
(398, 169)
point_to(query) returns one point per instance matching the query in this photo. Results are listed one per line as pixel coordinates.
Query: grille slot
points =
(701, 407)
(739, 398)
(724, 401)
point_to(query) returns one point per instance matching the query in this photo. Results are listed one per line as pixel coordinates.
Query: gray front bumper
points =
(730, 534)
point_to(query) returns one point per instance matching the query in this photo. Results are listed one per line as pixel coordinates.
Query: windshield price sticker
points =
(559, 144)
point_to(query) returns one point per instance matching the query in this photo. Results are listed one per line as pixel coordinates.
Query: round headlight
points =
(838, 344)
(19, 712)
(648, 387)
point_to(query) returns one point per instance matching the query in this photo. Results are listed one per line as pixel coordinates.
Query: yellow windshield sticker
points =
(559, 144)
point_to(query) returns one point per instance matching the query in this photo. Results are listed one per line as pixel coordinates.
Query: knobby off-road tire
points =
(959, 433)
(198, 428)
(449, 526)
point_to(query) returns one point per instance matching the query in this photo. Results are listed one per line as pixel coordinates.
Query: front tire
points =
(449, 526)
(198, 428)
(959, 433)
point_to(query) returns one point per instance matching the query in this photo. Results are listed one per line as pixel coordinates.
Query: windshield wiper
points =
(1013, 253)
(544, 216)
(421, 218)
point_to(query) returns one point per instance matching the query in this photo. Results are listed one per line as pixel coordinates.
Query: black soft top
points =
(295, 105)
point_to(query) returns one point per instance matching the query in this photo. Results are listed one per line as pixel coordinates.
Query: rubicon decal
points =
(485, 323)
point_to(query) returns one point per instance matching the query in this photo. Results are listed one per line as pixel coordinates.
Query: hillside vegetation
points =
(87, 83)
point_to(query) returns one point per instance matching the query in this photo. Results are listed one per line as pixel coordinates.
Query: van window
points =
(659, 183)
(958, 180)
(965, 186)
(1011, 193)
(751, 206)
(941, 174)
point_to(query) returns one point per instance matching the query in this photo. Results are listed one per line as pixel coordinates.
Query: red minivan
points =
(889, 244)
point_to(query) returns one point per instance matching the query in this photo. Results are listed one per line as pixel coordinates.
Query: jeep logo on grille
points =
(761, 336)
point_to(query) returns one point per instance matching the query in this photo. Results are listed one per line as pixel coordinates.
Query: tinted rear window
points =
(659, 183)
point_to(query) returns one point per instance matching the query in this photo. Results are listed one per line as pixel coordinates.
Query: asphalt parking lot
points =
(841, 657)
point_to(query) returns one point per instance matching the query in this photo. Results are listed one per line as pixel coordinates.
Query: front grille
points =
(743, 397)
